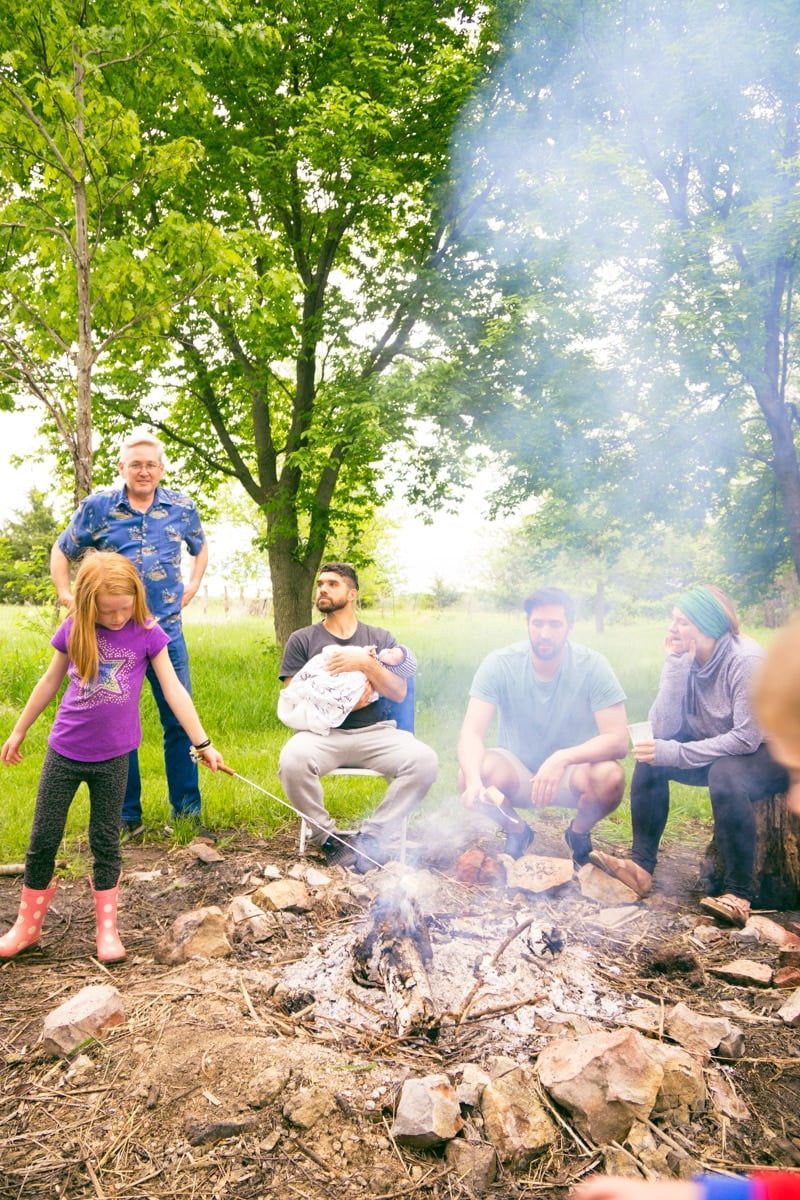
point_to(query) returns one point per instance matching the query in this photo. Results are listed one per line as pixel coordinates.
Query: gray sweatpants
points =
(59, 781)
(397, 755)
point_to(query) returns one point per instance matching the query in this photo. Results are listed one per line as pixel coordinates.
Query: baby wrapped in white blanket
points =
(318, 700)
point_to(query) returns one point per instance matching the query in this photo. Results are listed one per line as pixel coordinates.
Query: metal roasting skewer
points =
(308, 820)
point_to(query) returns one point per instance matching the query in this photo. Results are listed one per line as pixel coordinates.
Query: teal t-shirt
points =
(535, 718)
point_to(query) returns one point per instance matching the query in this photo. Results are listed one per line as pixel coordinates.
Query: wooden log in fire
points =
(393, 954)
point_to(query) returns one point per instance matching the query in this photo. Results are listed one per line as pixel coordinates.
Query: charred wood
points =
(393, 954)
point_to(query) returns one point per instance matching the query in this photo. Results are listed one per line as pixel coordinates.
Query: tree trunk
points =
(787, 473)
(292, 588)
(82, 451)
(776, 873)
(600, 606)
(770, 391)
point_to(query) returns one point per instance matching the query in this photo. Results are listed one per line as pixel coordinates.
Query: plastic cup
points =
(640, 731)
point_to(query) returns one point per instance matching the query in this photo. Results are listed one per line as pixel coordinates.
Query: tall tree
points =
(77, 83)
(610, 568)
(719, 150)
(326, 139)
(25, 542)
(651, 149)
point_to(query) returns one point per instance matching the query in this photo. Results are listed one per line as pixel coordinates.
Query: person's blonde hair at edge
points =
(776, 692)
(113, 574)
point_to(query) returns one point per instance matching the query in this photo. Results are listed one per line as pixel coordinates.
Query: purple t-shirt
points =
(102, 720)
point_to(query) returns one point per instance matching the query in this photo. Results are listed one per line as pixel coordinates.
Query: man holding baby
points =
(367, 737)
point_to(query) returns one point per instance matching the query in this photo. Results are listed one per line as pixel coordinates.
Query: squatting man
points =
(561, 727)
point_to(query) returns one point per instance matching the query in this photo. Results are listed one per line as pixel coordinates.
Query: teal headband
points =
(705, 611)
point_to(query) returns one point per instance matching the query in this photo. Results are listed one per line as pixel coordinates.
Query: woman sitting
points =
(704, 734)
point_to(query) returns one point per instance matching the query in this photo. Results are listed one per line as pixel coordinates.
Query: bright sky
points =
(452, 548)
(17, 436)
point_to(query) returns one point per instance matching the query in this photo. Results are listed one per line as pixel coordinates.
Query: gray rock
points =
(266, 1086)
(606, 1080)
(282, 895)
(196, 934)
(86, 1015)
(474, 1164)
(515, 1118)
(470, 1080)
(789, 1012)
(308, 1106)
(745, 972)
(682, 1094)
(245, 921)
(428, 1112)
(724, 1098)
(610, 892)
(701, 1034)
(533, 873)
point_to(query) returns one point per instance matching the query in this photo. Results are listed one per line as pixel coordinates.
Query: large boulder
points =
(605, 1080)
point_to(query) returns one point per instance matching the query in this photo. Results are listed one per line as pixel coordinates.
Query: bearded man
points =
(561, 727)
(367, 737)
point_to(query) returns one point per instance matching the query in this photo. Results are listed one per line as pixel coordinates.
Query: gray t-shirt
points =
(536, 718)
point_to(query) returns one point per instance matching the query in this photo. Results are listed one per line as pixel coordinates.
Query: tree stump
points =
(776, 869)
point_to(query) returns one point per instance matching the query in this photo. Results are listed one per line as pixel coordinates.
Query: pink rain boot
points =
(109, 948)
(27, 929)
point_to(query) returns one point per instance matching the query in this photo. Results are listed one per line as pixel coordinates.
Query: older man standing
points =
(561, 728)
(149, 524)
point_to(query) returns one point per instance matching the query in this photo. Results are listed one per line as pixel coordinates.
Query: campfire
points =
(463, 1022)
(394, 953)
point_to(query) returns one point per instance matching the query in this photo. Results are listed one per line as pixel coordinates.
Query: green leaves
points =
(643, 210)
(25, 543)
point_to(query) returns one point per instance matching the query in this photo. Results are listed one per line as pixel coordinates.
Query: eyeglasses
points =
(143, 466)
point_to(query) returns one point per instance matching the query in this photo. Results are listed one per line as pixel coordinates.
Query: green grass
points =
(235, 682)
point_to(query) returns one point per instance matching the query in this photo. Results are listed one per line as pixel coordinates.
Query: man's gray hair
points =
(138, 437)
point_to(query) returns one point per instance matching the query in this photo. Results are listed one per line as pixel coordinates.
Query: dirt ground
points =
(200, 1093)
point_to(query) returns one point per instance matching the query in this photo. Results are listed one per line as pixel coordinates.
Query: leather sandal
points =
(735, 910)
(625, 870)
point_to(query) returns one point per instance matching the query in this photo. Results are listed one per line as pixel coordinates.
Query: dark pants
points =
(60, 779)
(182, 779)
(734, 784)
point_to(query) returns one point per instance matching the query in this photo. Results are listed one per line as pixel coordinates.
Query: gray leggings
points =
(60, 779)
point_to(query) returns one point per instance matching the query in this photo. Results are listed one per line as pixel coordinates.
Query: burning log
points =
(393, 954)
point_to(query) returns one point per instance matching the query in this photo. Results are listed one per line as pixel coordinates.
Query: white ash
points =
(549, 984)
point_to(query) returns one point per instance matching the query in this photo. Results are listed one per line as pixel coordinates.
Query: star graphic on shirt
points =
(108, 676)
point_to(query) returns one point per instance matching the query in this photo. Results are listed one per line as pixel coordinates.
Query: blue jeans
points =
(182, 779)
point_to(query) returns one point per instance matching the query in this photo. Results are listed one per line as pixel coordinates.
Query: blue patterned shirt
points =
(152, 540)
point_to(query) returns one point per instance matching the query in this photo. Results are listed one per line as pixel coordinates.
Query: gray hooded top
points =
(710, 706)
